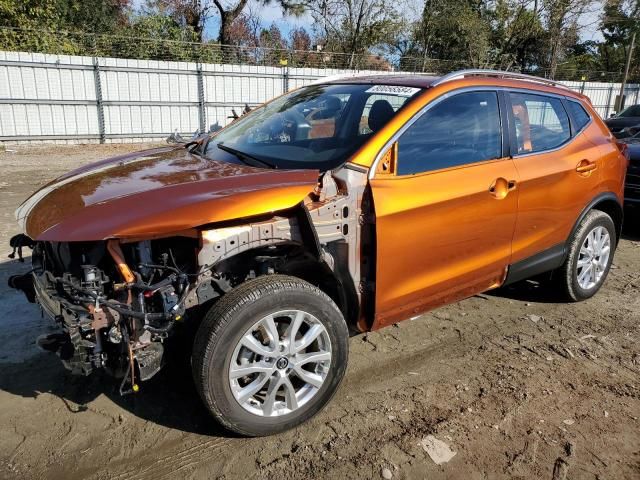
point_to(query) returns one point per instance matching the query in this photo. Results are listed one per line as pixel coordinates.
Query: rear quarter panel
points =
(612, 163)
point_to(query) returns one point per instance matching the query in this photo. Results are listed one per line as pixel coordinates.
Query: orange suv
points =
(340, 207)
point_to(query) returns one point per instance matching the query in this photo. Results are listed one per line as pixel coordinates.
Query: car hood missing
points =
(156, 192)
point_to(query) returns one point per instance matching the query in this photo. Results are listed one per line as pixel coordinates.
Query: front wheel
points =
(269, 355)
(589, 257)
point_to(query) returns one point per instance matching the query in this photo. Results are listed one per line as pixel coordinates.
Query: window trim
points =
(507, 124)
(512, 131)
(504, 123)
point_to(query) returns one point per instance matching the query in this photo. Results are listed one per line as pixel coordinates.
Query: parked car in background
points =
(632, 182)
(628, 133)
(343, 206)
(629, 117)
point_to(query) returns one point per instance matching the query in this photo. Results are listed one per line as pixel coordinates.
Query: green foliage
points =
(534, 36)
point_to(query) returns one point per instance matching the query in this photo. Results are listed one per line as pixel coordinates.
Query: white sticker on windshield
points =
(393, 90)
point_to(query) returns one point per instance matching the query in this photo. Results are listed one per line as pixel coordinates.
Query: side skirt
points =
(542, 262)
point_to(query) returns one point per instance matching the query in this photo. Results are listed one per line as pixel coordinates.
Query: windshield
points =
(318, 126)
(632, 111)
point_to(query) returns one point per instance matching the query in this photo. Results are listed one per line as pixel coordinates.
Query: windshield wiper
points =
(245, 156)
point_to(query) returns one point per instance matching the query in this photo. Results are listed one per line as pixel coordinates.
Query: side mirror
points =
(214, 127)
(612, 115)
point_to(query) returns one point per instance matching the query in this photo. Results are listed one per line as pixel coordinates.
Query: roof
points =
(405, 80)
(426, 81)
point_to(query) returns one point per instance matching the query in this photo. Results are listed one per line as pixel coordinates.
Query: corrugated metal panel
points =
(55, 95)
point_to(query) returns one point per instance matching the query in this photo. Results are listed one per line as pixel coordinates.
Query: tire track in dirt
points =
(170, 464)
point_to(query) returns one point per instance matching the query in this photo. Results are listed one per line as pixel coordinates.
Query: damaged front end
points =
(123, 289)
(110, 316)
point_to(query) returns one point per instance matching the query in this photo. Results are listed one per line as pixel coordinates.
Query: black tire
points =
(567, 274)
(226, 323)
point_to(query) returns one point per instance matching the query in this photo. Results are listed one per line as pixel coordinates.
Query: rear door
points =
(559, 170)
(445, 218)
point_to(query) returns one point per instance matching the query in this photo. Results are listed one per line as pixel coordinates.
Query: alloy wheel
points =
(280, 363)
(593, 258)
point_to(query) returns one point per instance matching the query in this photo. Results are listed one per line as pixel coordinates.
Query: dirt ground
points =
(518, 384)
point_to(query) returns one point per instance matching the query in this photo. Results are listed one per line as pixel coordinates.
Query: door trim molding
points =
(542, 262)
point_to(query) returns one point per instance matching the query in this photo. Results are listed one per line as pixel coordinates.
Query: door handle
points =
(586, 166)
(501, 187)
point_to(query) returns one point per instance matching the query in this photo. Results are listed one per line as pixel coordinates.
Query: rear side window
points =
(579, 115)
(459, 130)
(541, 122)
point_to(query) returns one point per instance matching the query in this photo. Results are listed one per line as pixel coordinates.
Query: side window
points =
(540, 122)
(579, 115)
(459, 130)
(378, 109)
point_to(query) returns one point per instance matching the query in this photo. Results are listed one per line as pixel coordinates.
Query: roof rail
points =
(495, 73)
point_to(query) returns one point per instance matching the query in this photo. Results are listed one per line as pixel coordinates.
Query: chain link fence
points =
(150, 48)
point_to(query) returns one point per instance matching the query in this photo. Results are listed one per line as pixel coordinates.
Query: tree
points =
(95, 16)
(300, 46)
(454, 30)
(561, 19)
(299, 39)
(619, 20)
(517, 34)
(58, 26)
(353, 26)
(228, 14)
(244, 31)
(195, 14)
(99, 16)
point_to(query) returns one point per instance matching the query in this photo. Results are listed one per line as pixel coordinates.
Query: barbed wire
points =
(150, 48)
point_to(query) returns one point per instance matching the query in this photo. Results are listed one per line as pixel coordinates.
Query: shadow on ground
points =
(169, 399)
(542, 289)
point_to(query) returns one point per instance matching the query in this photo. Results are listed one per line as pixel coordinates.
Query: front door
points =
(445, 217)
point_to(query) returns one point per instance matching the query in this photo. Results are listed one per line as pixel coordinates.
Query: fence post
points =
(202, 113)
(99, 104)
(606, 115)
(285, 74)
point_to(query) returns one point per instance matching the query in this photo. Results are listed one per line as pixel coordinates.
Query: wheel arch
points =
(288, 242)
(302, 261)
(608, 203)
(331, 282)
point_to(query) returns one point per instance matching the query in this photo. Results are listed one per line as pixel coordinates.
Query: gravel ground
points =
(516, 383)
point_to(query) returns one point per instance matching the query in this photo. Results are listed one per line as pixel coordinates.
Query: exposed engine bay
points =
(120, 302)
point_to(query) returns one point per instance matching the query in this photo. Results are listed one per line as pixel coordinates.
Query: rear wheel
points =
(590, 256)
(269, 355)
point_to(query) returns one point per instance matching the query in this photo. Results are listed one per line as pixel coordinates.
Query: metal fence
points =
(67, 98)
